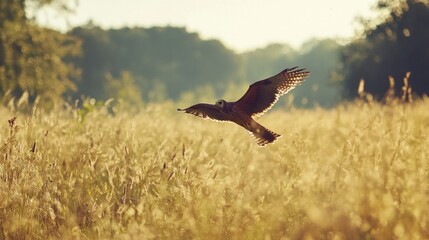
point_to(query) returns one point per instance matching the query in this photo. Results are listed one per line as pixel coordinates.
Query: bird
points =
(258, 99)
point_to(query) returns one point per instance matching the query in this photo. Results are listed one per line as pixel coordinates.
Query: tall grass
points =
(358, 171)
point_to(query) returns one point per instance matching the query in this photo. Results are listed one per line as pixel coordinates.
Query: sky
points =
(240, 24)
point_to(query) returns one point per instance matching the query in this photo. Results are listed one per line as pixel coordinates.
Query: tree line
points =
(150, 64)
(170, 61)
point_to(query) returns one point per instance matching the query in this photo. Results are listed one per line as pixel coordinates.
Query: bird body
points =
(258, 99)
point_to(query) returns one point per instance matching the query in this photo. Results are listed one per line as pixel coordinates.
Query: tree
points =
(393, 47)
(124, 89)
(262, 62)
(94, 62)
(32, 57)
(320, 56)
(166, 59)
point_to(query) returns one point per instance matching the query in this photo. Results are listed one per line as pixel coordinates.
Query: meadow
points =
(357, 171)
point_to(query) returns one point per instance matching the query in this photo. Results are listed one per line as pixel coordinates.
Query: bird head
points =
(220, 103)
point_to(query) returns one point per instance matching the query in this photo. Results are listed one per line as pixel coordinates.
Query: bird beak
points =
(180, 109)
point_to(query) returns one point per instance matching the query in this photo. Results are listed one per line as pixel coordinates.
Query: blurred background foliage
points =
(33, 59)
(398, 44)
(140, 64)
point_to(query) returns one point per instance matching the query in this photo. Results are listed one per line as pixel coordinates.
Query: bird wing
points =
(206, 111)
(262, 95)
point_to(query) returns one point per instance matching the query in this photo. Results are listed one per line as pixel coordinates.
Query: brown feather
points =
(262, 95)
(206, 111)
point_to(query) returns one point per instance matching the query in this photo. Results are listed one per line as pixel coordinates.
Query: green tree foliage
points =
(32, 57)
(94, 61)
(393, 47)
(168, 58)
(124, 89)
(321, 57)
(172, 63)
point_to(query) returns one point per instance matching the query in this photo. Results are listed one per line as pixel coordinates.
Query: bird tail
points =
(262, 135)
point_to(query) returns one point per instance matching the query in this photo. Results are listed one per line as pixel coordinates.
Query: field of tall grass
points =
(357, 171)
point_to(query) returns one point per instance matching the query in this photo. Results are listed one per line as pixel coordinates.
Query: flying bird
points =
(258, 99)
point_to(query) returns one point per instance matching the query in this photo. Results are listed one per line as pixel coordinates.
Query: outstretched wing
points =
(262, 95)
(207, 111)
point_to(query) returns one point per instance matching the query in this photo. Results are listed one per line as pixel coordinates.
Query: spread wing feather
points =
(262, 95)
(206, 111)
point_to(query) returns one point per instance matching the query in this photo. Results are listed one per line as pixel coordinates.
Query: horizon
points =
(239, 32)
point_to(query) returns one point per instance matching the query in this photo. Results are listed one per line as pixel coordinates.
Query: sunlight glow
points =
(240, 25)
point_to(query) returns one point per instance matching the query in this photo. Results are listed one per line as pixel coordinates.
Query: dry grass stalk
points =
(353, 174)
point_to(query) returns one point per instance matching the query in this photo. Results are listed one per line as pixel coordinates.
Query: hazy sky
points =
(239, 24)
